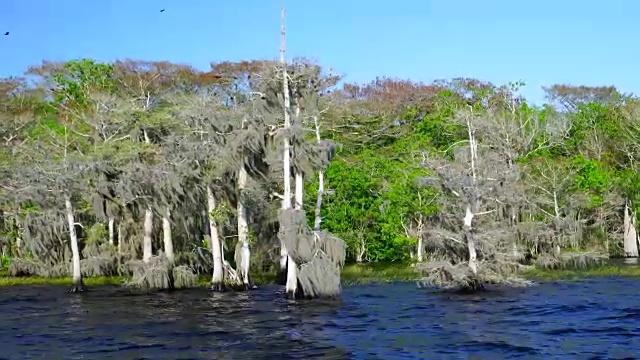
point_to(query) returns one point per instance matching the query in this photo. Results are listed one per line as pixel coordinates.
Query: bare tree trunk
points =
(471, 244)
(420, 234)
(284, 254)
(120, 240)
(318, 212)
(217, 281)
(299, 193)
(19, 245)
(291, 286)
(630, 232)
(147, 242)
(112, 230)
(556, 211)
(362, 252)
(166, 236)
(468, 218)
(78, 285)
(243, 229)
(19, 233)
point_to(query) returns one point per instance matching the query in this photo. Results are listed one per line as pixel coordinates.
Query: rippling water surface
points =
(589, 319)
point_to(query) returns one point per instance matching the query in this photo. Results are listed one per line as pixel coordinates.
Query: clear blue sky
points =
(541, 42)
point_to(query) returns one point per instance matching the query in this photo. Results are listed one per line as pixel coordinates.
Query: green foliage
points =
(97, 234)
(373, 190)
(76, 78)
(375, 193)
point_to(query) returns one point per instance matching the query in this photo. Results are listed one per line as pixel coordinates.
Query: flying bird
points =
(7, 33)
(162, 10)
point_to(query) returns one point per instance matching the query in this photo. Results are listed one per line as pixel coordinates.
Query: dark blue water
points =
(589, 319)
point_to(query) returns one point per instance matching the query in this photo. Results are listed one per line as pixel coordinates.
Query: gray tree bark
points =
(167, 237)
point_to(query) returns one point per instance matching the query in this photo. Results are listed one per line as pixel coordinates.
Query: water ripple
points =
(594, 319)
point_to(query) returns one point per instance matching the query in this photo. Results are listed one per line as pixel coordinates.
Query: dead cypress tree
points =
(291, 286)
(313, 258)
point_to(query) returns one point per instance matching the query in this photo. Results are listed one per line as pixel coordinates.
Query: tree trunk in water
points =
(471, 244)
(292, 267)
(630, 232)
(147, 242)
(469, 214)
(78, 285)
(291, 286)
(166, 236)
(243, 229)
(112, 231)
(318, 211)
(283, 257)
(217, 281)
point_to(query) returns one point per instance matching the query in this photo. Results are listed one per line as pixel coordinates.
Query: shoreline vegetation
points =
(161, 172)
(352, 274)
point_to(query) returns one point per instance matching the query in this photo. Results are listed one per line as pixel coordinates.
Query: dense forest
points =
(162, 172)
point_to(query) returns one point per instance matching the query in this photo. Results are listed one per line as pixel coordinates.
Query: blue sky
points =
(540, 42)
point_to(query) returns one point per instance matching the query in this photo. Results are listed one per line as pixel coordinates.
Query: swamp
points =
(270, 209)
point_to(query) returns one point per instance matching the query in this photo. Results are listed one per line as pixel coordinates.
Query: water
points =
(589, 319)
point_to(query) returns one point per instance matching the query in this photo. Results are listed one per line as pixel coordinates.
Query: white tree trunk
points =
(630, 232)
(120, 239)
(318, 211)
(147, 241)
(243, 229)
(217, 281)
(166, 236)
(291, 286)
(299, 194)
(284, 255)
(292, 269)
(362, 251)
(19, 244)
(420, 247)
(75, 251)
(471, 244)
(468, 218)
(112, 231)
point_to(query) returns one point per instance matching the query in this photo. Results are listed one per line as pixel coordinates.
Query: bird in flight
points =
(7, 33)
(162, 10)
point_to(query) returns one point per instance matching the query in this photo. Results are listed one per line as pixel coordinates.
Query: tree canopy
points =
(403, 165)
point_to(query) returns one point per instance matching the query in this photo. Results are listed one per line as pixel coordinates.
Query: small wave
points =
(123, 347)
(388, 321)
(499, 346)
